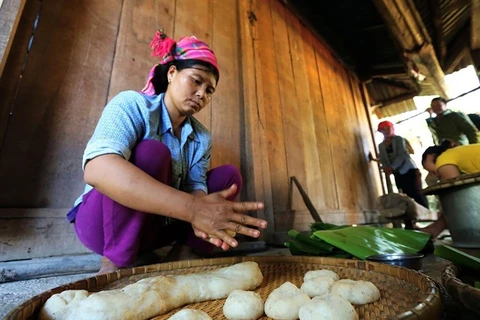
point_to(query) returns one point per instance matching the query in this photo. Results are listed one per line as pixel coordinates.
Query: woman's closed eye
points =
(198, 82)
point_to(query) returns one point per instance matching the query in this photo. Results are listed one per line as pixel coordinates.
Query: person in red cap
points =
(394, 154)
(147, 168)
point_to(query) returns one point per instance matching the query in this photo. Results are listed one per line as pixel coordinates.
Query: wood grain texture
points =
(227, 122)
(62, 93)
(257, 167)
(269, 71)
(10, 13)
(324, 146)
(303, 62)
(292, 109)
(36, 233)
(284, 106)
(195, 18)
(133, 60)
(11, 77)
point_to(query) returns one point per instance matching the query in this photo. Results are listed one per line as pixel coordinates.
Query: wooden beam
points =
(475, 25)
(10, 13)
(475, 54)
(399, 98)
(427, 62)
(407, 27)
(393, 83)
(388, 72)
(369, 110)
(439, 38)
(404, 22)
(456, 49)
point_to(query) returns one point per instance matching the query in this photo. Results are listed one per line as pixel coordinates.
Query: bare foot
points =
(181, 252)
(107, 266)
(436, 227)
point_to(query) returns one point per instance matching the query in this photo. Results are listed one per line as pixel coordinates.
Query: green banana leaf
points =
(458, 257)
(301, 244)
(364, 241)
(317, 226)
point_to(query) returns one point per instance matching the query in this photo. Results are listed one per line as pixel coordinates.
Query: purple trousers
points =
(120, 233)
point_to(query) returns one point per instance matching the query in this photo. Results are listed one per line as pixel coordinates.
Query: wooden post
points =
(10, 13)
(475, 25)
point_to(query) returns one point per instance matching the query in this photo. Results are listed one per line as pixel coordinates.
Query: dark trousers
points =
(411, 185)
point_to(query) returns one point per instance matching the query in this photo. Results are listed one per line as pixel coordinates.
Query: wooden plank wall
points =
(310, 118)
(284, 105)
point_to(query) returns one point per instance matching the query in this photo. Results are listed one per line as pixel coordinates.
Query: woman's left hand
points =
(215, 241)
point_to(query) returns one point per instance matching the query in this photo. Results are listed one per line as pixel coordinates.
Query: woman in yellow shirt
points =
(448, 161)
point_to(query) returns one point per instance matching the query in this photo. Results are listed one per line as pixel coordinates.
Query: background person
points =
(395, 158)
(448, 161)
(450, 125)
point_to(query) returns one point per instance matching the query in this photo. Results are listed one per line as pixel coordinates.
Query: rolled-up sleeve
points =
(118, 130)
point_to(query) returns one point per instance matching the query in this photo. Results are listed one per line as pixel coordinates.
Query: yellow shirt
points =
(466, 158)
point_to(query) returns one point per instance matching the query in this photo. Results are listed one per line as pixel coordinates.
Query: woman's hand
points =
(213, 214)
(213, 240)
(388, 170)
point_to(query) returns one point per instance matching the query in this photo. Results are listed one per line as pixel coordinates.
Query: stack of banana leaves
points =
(348, 241)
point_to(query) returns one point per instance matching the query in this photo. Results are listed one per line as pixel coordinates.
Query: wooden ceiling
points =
(399, 48)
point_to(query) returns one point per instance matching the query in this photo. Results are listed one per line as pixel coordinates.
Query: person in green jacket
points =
(450, 125)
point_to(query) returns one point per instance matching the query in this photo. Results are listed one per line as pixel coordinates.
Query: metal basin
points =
(410, 261)
(460, 200)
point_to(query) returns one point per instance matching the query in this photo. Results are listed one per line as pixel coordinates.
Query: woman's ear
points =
(172, 71)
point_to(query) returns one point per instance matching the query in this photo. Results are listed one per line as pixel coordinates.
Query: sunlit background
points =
(412, 125)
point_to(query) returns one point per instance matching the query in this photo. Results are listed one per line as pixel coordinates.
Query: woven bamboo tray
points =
(465, 294)
(405, 293)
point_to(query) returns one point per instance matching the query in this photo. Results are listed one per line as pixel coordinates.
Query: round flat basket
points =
(405, 293)
(465, 294)
(460, 181)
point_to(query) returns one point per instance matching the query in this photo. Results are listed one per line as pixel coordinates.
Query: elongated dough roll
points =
(153, 296)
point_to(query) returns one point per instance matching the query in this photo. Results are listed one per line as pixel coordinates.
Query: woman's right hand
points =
(213, 214)
(388, 170)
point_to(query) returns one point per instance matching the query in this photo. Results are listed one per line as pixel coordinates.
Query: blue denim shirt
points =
(131, 117)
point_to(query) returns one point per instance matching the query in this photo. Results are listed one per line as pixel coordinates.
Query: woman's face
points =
(191, 89)
(386, 131)
(429, 164)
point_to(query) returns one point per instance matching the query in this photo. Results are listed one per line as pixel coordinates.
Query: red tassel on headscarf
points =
(161, 44)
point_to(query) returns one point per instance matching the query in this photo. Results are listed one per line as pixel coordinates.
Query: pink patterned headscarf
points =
(187, 48)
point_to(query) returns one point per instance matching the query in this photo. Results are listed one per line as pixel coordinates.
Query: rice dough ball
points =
(356, 292)
(243, 305)
(190, 314)
(317, 286)
(284, 302)
(320, 273)
(328, 307)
